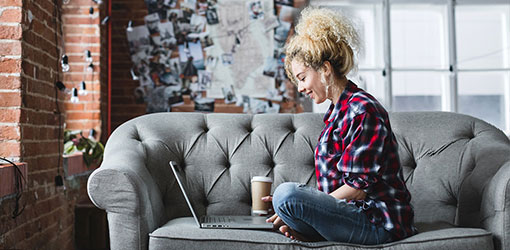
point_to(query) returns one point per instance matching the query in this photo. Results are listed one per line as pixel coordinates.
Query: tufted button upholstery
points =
(448, 159)
(449, 165)
(221, 152)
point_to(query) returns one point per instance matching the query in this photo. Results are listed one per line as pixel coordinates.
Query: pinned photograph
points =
(146, 80)
(175, 66)
(152, 5)
(156, 100)
(287, 13)
(270, 67)
(255, 9)
(152, 23)
(270, 23)
(188, 4)
(284, 2)
(167, 77)
(167, 35)
(274, 95)
(139, 94)
(204, 80)
(192, 49)
(227, 58)
(202, 8)
(197, 23)
(138, 38)
(195, 93)
(170, 3)
(212, 15)
(272, 108)
(207, 42)
(229, 94)
(211, 62)
(204, 105)
(174, 96)
(174, 15)
(280, 34)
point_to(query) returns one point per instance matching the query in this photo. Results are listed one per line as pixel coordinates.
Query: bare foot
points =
(292, 234)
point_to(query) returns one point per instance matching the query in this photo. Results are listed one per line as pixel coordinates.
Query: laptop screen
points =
(181, 186)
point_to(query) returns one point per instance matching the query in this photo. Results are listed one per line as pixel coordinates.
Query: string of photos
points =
(230, 49)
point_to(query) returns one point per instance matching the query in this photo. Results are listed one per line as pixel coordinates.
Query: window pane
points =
(367, 19)
(483, 36)
(419, 37)
(418, 91)
(481, 94)
(372, 82)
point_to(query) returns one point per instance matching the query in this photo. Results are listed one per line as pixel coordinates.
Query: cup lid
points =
(261, 178)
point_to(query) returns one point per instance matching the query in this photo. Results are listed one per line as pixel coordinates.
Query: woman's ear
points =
(326, 68)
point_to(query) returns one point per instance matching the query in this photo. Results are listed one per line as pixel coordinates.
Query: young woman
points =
(361, 196)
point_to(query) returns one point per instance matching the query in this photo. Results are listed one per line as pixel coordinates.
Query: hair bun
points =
(320, 24)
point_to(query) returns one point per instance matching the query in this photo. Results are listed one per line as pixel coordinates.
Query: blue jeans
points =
(319, 216)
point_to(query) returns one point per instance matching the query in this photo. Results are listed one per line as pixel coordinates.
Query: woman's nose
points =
(300, 88)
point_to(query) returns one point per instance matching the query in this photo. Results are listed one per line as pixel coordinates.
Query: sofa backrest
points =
(447, 158)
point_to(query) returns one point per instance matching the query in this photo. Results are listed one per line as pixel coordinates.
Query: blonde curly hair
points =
(323, 35)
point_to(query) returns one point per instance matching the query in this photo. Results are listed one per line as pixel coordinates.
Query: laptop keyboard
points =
(222, 219)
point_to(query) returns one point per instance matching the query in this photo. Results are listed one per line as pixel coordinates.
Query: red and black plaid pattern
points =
(357, 148)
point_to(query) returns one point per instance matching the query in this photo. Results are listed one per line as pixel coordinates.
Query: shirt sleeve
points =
(364, 143)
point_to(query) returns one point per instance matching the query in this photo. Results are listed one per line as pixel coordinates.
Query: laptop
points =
(222, 221)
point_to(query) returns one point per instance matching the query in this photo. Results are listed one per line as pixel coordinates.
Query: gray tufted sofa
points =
(456, 167)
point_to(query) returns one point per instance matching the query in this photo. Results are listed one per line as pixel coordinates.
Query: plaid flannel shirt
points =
(357, 148)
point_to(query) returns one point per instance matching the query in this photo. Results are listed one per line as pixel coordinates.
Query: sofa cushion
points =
(183, 233)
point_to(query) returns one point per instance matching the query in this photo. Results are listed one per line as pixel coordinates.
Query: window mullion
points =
(387, 72)
(450, 97)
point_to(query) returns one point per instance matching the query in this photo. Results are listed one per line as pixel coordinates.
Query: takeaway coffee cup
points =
(260, 187)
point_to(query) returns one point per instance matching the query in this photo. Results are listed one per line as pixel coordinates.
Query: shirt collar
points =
(333, 110)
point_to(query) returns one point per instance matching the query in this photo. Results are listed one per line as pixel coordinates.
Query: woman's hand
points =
(270, 200)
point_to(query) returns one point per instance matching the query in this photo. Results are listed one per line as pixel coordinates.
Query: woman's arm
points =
(348, 193)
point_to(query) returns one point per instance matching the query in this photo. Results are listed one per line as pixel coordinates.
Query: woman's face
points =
(309, 81)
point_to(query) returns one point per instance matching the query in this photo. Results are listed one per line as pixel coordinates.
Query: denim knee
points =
(284, 192)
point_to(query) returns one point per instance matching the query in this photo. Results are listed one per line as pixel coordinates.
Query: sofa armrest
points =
(495, 208)
(124, 188)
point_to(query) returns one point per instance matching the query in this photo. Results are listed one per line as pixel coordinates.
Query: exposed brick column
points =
(81, 33)
(10, 81)
(30, 43)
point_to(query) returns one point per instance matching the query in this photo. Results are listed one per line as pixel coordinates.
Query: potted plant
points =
(75, 142)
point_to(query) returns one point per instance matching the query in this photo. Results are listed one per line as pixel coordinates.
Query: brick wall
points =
(30, 127)
(10, 80)
(82, 31)
(124, 106)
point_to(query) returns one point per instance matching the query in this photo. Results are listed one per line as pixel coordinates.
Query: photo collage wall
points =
(210, 49)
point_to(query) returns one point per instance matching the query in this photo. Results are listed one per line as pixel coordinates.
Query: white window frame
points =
(449, 95)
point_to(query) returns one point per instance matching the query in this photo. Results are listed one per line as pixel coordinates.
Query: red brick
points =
(10, 82)
(10, 149)
(11, 3)
(7, 184)
(8, 65)
(85, 19)
(10, 32)
(10, 48)
(80, 30)
(10, 115)
(11, 16)
(10, 99)
(83, 116)
(82, 39)
(10, 133)
(81, 48)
